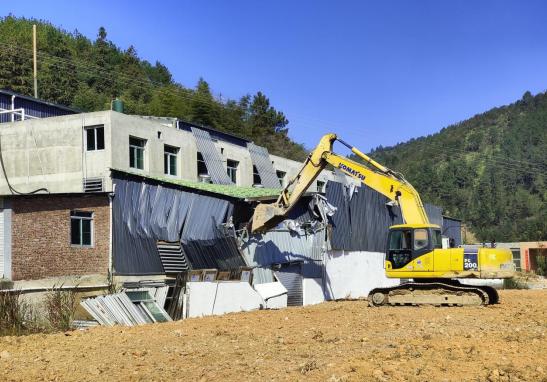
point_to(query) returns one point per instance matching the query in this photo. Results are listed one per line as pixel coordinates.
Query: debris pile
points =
(129, 308)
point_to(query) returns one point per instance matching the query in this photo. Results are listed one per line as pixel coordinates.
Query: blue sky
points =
(374, 72)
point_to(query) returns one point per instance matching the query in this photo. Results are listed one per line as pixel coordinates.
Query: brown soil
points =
(335, 341)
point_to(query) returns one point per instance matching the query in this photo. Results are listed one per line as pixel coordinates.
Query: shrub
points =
(514, 283)
(60, 308)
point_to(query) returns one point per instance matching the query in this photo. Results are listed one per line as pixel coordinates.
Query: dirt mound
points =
(335, 341)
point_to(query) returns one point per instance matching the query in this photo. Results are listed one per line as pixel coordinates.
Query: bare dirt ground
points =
(335, 341)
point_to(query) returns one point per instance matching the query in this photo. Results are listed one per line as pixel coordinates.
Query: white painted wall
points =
(312, 290)
(274, 295)
(216, 298)
(353, 274)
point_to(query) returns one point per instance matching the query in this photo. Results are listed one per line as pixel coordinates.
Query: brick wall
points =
(41, 237)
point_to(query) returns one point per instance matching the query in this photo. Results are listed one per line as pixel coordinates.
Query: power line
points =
(93, 70)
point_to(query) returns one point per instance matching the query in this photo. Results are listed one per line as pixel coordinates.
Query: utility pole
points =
(34, 59)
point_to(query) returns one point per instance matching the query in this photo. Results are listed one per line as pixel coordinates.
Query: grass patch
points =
(17, 317)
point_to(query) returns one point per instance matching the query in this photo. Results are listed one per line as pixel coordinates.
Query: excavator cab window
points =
(421, 240)
(404, 245)
(400, 247)
(437, 238)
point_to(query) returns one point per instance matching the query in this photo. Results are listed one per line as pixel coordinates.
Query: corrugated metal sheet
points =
(211, 156)
(221, 253)
(434, 213)
(145, 213)
(283, 245)
(361, 223)
(291, 278)
(363, 218)
(452, 228)
(262, 275)
(33, 107)
(261, 159)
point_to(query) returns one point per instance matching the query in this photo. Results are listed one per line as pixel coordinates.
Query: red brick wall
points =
(41, 237)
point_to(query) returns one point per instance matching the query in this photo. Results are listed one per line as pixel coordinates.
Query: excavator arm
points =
(380, 178)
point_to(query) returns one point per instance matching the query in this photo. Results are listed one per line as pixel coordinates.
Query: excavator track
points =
(434, 293)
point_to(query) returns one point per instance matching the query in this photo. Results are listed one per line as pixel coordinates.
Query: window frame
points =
(256, 176)
(321, 186)
(80, 216)
(95, 129)
(427, 240)
(167, 156)
(281, 178)
(135, 149)
(232, 170)
(202, 163)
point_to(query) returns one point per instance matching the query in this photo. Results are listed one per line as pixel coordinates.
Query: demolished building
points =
(94, 198)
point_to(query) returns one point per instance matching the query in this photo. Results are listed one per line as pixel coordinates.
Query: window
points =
(420, 239)
(320, 186)
(400, 245)
(281, 176)
(136, 152)
(400, 239)
(437, 239)
(231, 169)
(81, 228)
(202, 168)
(170, 155)
(516, 258)
(256, 176)
(94, 136)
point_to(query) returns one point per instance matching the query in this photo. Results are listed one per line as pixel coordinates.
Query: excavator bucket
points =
(265, 217)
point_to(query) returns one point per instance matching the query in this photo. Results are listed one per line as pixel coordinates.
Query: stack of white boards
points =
(128, 308)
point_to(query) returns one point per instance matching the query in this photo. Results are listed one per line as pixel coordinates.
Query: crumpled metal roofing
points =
(211, 156)
(362, 219)
(261, 159)
(282, 246)
(144, 213)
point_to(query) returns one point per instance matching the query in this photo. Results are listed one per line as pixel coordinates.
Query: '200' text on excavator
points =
(414, 249)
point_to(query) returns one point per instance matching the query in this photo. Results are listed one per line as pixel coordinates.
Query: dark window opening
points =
(94, 137)
(281, 176)
(320, 186)
(170, 155)
(202, 168)
(231, 169)
(136, 152)
(256, 176)
(81, 228)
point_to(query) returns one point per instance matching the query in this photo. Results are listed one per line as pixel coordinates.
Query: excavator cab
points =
(407, 242)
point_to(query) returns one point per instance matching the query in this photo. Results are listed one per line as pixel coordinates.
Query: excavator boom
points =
(380, 178)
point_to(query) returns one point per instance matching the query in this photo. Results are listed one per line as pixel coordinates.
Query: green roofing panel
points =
(221, 189)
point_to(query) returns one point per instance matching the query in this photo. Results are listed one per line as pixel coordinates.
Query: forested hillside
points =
(85, 74)
(490, 170)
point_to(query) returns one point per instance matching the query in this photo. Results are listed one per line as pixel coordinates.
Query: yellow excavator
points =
(414, 249)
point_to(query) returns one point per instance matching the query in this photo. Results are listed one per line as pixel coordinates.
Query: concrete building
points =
(56, 187)
(74, 152)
